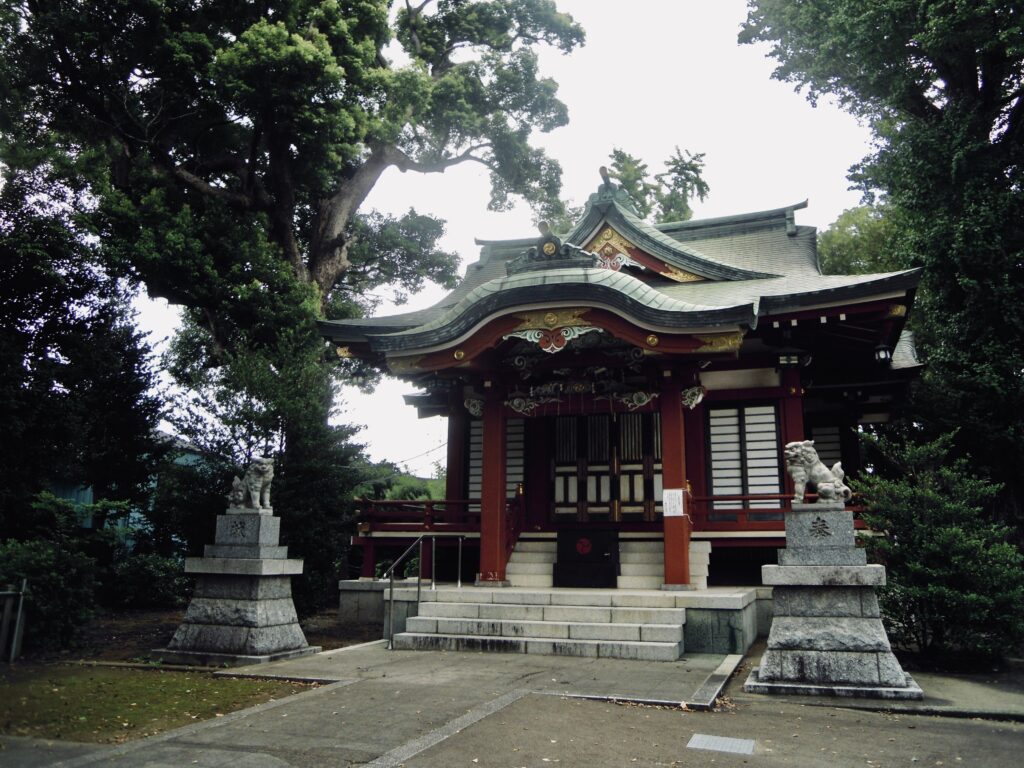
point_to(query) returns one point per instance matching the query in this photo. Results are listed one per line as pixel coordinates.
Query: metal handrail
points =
(390, 574)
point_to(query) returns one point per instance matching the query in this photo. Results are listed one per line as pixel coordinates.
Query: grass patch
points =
(104, 705)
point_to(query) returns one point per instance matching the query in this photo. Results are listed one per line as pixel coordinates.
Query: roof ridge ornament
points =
(609, 191)
(550, 253)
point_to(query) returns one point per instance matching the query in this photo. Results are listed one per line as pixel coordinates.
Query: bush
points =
(60, 590)
(148, 581)
(955, 587)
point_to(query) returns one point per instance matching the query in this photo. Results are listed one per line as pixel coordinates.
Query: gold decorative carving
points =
(720, 342)
(609, 237)
(549, 249)
(459, 354)
(560, 318)
(404, 364)
(652, 340)
(897, 310)
(680, 275)
(343, 352)
(608, 242)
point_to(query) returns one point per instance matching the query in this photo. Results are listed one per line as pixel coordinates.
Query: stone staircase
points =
(597, 623)
(641, 563)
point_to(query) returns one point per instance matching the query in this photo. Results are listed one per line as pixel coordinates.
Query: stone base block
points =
(205, 659)
(909, 690)
(241, 613)
(361, 601)
(718, 631)
(250, 511)
(823, 556)
(250, 551)
(234, 640)
(248, 528)
(243, 587)
(823, 575)
(834, 601)
(814, 525)
(827, 633)
(831, 667)
(237, 566)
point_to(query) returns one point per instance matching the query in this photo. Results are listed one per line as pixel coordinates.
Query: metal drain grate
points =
(721, 744)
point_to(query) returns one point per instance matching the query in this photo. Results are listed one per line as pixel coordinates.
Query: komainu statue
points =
(809, 473)
(253, 490)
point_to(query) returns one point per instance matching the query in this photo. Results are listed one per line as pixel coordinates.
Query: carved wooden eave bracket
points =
(615, 251)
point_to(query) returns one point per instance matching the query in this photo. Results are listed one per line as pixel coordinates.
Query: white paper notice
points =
(672, 502)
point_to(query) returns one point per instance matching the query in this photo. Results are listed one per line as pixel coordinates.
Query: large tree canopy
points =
(212, 132)
(220, 152)
(942, 86)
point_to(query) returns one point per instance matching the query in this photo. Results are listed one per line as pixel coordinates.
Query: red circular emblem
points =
(583, 546)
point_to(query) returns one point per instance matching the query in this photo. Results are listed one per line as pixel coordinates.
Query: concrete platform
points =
(436, 710)
(910, 692)
(203, 659)
(714, 620)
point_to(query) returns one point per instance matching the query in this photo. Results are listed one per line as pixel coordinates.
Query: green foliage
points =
(60, 597)
(955, 584)
(408, 488)
(667, 195)
(76, 386)
(940, 85)
(148, 581)
(223, 152)
(189, 494)
(228, 131)
(861, 240)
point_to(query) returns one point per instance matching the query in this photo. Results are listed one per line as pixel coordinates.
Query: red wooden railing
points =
(454, 515)
(463, 515)
(757, 512)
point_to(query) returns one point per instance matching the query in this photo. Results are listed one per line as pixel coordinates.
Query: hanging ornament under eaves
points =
(554, 340)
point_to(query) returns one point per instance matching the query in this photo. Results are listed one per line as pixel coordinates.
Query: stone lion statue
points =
(253, 490)
(808, 472)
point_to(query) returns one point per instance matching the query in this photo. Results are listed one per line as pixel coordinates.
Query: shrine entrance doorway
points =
(605, 467)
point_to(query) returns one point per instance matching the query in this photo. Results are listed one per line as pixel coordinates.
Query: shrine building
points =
(629, 387)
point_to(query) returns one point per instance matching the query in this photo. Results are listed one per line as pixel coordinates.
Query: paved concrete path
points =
(418, 708)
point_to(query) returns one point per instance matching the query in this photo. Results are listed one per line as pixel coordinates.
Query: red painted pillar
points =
(368, 570)
(673, 469)
(493, 552)
(792, 415)
(458, 436)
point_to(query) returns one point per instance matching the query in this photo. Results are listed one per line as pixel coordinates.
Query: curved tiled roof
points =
(754, 264)
(596, 287)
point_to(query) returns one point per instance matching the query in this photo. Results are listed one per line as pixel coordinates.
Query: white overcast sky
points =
(653, 74)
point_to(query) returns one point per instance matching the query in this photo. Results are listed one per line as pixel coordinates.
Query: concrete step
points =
(641, 557)
(641, 582)
(664, 633)
(526, 596)
(625, 545)
(517, 567)
(535, 545)
(557, 613)
(612, 649)
(530, 579)
(641, 569)
(532, 556)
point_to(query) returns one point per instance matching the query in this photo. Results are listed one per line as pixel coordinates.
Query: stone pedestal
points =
(241, 611)
(827, 636)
